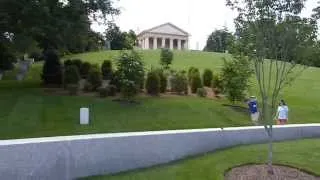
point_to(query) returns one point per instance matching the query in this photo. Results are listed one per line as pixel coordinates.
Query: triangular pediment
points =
(168, 28)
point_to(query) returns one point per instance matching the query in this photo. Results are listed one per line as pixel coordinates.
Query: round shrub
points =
(131, 72)
(179, 83)
(191, 72)
(73, 89)
(207, 77)
(76, 62)
(85, 69)
(217, 85)
(115, 80)
(103, 92)
(87, 87)
(67, 62)
(94, 77)
(195, 82)
(112, 90)
(106, 70)
(153, 83)
(166, 58)
(71, 75)
(128, 89)
(163, 80)
(52, 70)
(201, 92)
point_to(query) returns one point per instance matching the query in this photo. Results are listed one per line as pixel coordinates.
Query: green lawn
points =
(28, 112)
(302, 154)
(182, 59)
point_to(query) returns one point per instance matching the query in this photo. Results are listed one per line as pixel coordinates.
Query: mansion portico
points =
(163, 36)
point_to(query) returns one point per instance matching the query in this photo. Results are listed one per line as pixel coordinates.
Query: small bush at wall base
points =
(71, 75)
(73, 89)
(191, 72)
(103, 92)
(52, 69)
(207, 77)
(77, 62)
(217, 84)
(115, 80)
(201, 92)
(67, 62)
(87, 87)
(94, 77)
(85, 69)
(129, 89)
(163, 80)
(179, 83)
(106, 70)
(153, 83)
(112, 90)
(195, 82)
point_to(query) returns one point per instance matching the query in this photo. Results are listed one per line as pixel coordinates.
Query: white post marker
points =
(84, 116)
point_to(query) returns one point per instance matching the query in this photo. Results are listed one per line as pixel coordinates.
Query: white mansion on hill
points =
(163, 36)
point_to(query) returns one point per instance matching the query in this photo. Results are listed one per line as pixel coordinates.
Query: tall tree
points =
(120, 40)
(219, 41)
(272, 28)
(59, 24)
(316, 11)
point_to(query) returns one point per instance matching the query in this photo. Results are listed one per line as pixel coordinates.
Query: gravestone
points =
(169, 81)
(107, 45)
(82, 83)
(105, 83)
(23, 68)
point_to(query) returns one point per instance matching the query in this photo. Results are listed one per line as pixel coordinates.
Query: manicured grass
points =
(182, 59)
(28, 112)
(302, 154)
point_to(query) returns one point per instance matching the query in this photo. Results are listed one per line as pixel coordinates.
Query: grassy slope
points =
(182, 59)
(29, 113)
(301, 154)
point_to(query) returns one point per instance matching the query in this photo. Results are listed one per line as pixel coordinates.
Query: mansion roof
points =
(166, 28)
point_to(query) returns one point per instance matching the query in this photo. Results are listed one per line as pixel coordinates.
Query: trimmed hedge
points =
(153, 83)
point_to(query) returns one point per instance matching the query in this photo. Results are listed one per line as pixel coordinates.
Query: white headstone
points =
(84, 116)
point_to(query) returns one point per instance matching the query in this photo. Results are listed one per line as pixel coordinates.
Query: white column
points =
(186, 45)
(171, 43)
(179, 44)
(155, 43)
(163, 42)
(146, 46)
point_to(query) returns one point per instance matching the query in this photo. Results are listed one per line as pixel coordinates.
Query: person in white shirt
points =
(282, 113)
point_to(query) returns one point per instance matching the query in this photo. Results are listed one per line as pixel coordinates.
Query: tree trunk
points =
(270, 151)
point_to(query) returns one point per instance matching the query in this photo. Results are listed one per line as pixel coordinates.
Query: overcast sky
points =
(198, 17)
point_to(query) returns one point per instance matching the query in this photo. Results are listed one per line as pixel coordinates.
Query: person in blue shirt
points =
(253, 108)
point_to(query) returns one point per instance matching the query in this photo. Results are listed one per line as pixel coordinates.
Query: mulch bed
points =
(64, 92)
(260, 172)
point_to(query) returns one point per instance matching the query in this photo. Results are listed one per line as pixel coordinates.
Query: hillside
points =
(302, 96)
(28, 111)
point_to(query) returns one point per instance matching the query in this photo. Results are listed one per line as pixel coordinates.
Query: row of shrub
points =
(128, 77)
(180, 80)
